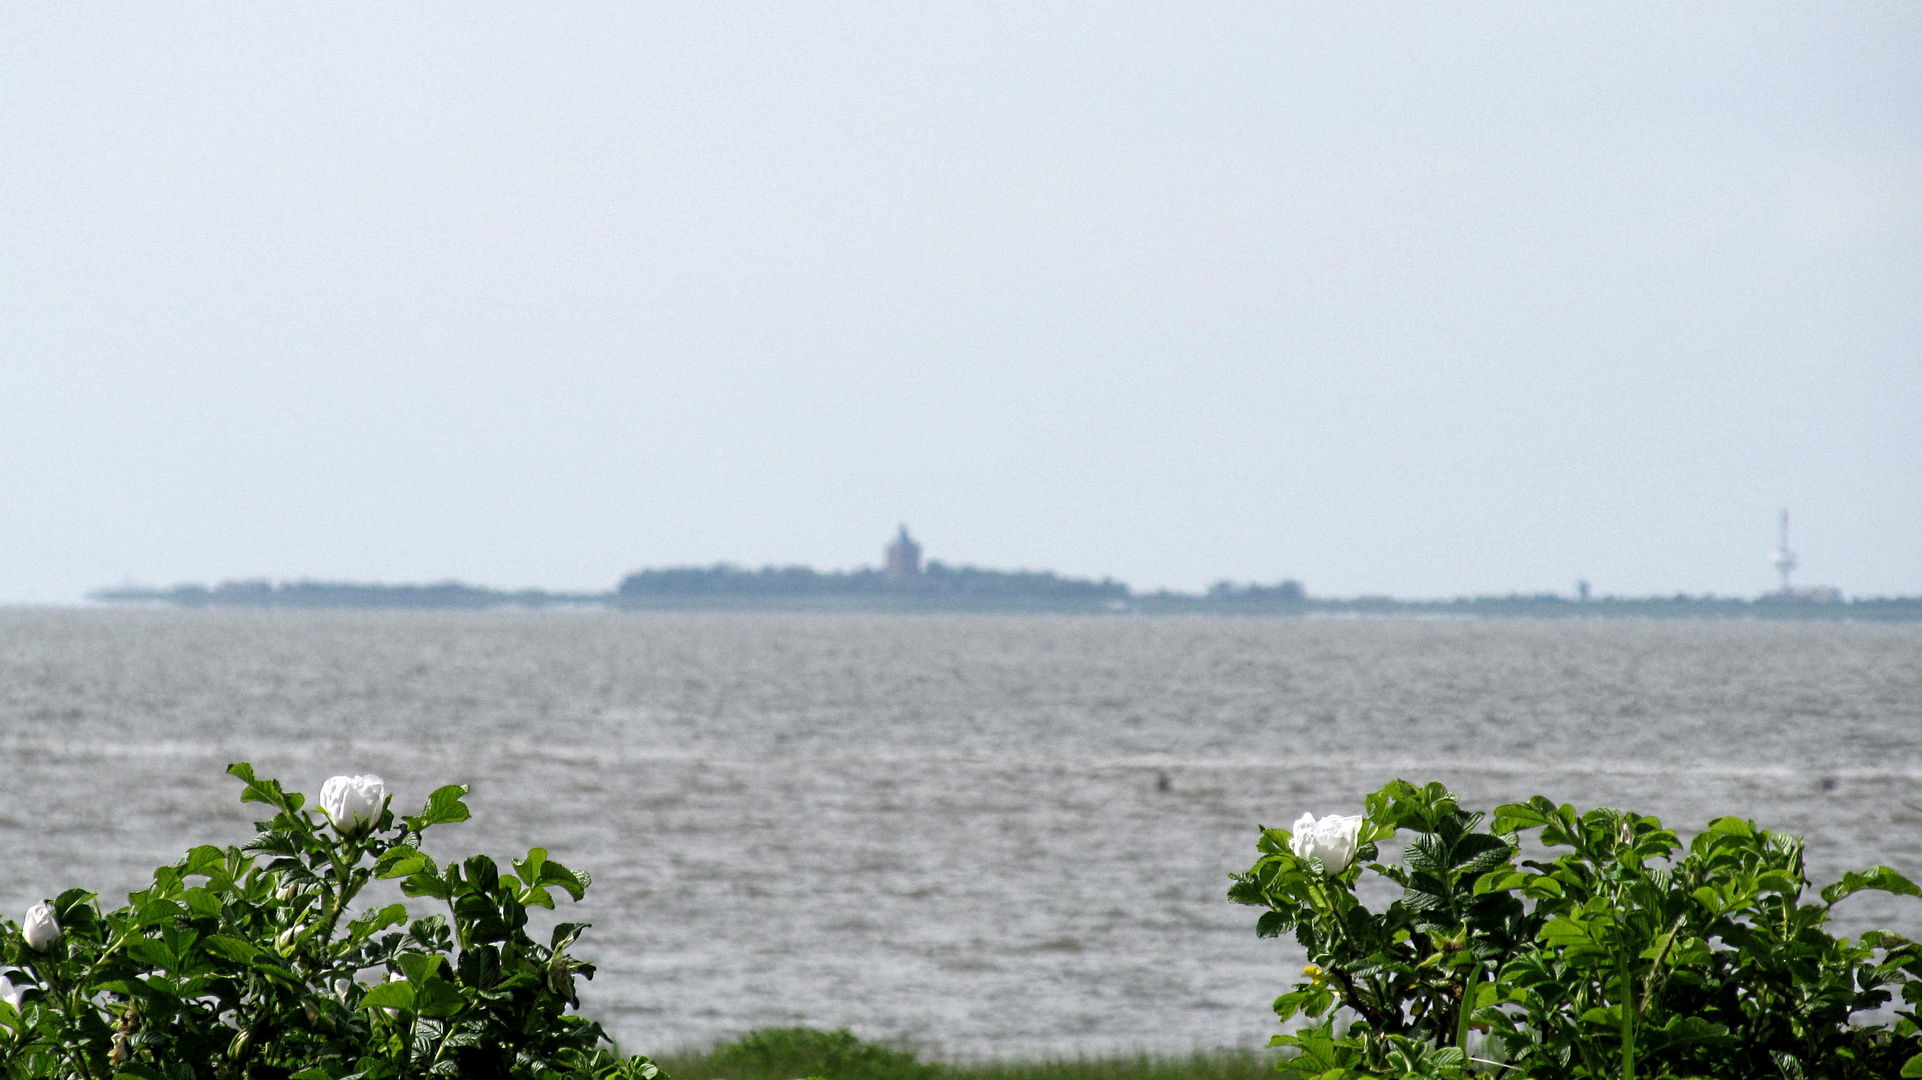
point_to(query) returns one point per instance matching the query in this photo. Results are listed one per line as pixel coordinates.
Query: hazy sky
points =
(1416, 299)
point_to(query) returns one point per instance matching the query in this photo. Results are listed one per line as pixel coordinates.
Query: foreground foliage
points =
(1626, 954)
(248, 963)
(786, 1053)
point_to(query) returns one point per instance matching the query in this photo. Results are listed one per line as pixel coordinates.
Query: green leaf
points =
(1609, 1016)
(203, 861)
(418, 967)
(436, 997)
(1690, 1031)
(389, 995)
(482, 872)
(157, 911)
(202, 903)
(529, 869)
(233, 948)
(373, 922)
(575, 882)
(1562, 932)
(265, 791)
(1879, 878)
(426, 885)
(1732, 826)
(1513, 817)
(444, 806)
(71, 908)
(403, 861)
(1912, 1067)
(151, 953)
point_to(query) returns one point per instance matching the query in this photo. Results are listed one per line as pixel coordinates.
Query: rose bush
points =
(253, 962)
(1627, 954)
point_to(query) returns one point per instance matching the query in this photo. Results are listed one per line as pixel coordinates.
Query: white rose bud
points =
(10, 991)
(40, 927)
(353, 803)
(1333, 840)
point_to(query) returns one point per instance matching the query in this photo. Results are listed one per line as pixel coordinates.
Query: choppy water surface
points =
(948, 828)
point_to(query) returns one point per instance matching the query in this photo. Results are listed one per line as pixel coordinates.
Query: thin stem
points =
(74, 1006)
(447, 1030)
(1628, 1019)
(1352, 999)
(343, 873)
(1652, 984)
(1466, 1010)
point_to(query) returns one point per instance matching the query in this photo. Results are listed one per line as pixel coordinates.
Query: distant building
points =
(904, 557)
(1782, 558)
(1806, 594)
(1785, 562)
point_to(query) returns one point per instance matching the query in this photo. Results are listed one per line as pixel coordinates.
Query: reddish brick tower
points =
(904, 557)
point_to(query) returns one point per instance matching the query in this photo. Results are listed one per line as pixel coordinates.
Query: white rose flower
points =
(1333, 840)
(353, 803)
(40, 927)
(10, 991)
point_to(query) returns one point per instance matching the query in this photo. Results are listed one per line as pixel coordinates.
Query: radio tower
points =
(1784, 559)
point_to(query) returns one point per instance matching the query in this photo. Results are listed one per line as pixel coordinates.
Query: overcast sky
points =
(1417, 299)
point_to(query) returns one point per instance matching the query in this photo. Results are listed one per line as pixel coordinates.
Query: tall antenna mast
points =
(1784, 559)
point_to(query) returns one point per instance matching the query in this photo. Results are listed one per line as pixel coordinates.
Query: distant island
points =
(904, 584)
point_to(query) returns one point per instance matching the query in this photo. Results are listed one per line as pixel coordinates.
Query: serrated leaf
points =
(373, 922)
(202, 903)
(204, 860)
(403, 861)
(529, 869)
(436, 997)
(1561, 932)
(1879, 878)
(1732, 826)
(1690, 1031)
(426, 885)
(573, 881)
(443, 807)
(418, 967)
(233, 948)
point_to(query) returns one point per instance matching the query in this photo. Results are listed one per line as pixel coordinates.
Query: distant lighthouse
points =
(904, 558)
(1784, 559)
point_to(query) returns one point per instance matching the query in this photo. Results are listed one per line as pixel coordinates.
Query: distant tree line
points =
(445, 595)
(941, 587)
(1286, 592)
(936, 580)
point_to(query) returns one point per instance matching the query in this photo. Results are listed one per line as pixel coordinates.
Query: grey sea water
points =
(945, 829)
